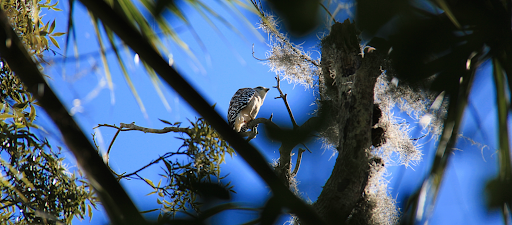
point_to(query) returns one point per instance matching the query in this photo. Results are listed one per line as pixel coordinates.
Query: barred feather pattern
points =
(238, 102)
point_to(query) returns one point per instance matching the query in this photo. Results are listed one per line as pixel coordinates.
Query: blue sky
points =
(232, 66)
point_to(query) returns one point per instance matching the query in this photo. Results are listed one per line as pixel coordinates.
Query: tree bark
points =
(348, 89)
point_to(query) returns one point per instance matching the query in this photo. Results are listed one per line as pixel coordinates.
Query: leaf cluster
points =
(118, 205)
(35, 186)
(24, 18)
(192, 171)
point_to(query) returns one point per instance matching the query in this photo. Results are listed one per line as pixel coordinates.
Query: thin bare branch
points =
(283, 96)
(132, 126)
(116, 201)
(327, 10)
(306, 147)
(167, 155)
(280, 36)
(255, 56)
(297, 164)
(129, 35)
(111, 144)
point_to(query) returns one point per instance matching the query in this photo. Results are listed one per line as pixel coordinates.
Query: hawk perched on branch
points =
(244, 107)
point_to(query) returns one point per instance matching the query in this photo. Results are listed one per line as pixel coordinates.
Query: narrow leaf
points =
(89, 211)
(168, 165)
(54, 42)
(442, 4)
(5, 116)
(58, 34)
(501, 101)
(125, 73)
(148, 211)
(156, 83)
(165, 121)
(104, 58)
(149, 182)
(52, 27)
(32, 115)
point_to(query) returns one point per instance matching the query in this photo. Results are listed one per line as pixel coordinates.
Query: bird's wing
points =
(238, 102)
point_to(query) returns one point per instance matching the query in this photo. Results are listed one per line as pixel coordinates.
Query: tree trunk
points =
(347, 88)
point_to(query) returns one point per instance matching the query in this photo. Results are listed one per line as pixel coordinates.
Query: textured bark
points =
(348, 89)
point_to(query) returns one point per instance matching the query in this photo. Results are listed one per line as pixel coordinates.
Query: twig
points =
(132, 126)
(130, 35)
(327, 10)
(297, 164)
(257, 57)
(111, 144)
(306, 147)
(283, 96)
(277, 34)
(167, 155)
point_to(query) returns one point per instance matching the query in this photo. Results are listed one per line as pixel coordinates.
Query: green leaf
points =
(444, 6)
(45, 28)
(165, 121)
(20, 105)
(52, 27)
(5, 116)
(110, 35)
(157, 84)
(149, 182)
(32, 115)
(58, 34)
(56, 3)
(89, 211)
(168, 165)
(501, 102)
(103, 57)
(54, 42)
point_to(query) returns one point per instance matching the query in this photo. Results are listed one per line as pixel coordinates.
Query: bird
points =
(244, 106)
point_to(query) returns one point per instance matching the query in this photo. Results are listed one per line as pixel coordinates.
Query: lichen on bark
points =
(347, 89)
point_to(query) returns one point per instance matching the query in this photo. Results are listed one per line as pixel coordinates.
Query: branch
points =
(283, 96)
(297, 164)
(167, 155)
(277, 34)
(327, 10)
(133, 38)
(257, 121)
(116, 201)
(257, 57)
(252, 125)
(132, 126)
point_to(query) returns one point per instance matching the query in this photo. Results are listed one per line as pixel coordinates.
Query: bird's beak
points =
(267, 89)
